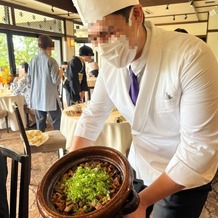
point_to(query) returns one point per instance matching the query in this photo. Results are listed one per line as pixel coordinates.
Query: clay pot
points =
(124, 202)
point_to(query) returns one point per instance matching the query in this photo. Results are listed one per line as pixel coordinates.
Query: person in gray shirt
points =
(44, 76)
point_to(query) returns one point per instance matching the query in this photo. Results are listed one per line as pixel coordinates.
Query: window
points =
(18, 36)
(56, 53)
(5, 15)
(4, 57)
(38, 22)
(25, 47)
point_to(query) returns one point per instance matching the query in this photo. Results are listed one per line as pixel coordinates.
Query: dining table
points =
(116, 132)
(6, 103)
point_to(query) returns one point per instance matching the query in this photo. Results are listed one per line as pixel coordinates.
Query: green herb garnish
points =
(90, 185)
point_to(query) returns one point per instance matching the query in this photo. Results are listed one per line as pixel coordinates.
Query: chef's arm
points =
(159, 189)
(80, 142)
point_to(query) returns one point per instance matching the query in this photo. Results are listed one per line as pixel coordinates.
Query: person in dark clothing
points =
(4, 213)
(181, 30)
(76, 82)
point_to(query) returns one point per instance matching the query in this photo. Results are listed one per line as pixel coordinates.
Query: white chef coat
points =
(175, 120)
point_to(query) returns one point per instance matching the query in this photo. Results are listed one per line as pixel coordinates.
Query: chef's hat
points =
(92, 10)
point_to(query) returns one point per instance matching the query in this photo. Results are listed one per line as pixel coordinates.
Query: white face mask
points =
(118, 52)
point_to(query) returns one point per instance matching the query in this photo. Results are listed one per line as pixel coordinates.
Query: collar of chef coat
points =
(148, 79)
(138, 65)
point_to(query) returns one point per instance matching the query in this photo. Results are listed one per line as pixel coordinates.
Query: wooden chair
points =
(28, 112)
(55, 142)
(19, 182)
(4, 114)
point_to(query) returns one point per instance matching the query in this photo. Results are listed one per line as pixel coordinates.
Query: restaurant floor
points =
(42, 161)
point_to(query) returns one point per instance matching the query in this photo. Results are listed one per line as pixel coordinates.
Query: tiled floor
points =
(42, 161)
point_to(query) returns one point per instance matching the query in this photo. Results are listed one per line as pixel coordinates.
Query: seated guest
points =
(20, 86)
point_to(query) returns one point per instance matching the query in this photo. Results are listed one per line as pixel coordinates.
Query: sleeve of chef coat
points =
(95, 114)
(196, 158)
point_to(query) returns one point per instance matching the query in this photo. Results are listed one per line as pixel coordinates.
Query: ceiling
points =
(179, 11)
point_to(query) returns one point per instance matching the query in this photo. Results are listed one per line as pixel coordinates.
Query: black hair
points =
(45, 42)
(85, 51)
(125, 12)
(25, 65)
(181, 30)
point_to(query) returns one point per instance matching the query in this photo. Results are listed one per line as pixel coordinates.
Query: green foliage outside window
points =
(25, 48)
(4, 61)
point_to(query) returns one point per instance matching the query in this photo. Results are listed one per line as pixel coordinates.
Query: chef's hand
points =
(163, 186)
(140, 212)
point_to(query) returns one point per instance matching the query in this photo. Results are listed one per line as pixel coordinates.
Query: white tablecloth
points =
(6, 104)
(116, 135)
(91, 84)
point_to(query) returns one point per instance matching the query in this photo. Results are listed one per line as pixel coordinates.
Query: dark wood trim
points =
(212, 31)
(190, 22)
(66, 5)
(27, 30)
(147, 3)
(170, 15)
(30, 10)
(81, 40)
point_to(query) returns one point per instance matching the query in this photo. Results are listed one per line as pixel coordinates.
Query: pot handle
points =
(131, 204)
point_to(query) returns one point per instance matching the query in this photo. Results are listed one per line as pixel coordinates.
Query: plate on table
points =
(73, 113)
(36, 137)
(75, 110)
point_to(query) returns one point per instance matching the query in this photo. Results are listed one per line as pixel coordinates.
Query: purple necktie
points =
(134, 86)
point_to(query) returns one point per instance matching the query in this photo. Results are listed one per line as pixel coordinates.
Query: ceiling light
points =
(191, 3)
(174, 17)
(186, 16)
(52, 9)
(167, 7)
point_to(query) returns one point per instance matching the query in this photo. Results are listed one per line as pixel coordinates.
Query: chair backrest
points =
(19, 173)
(22, 129)
(3, 113)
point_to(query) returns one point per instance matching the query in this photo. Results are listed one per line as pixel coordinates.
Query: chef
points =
(165, 84)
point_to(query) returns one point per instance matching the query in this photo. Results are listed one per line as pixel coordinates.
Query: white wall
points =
(198, 29)
(212, 41)
(210, 30)
(212, 35)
